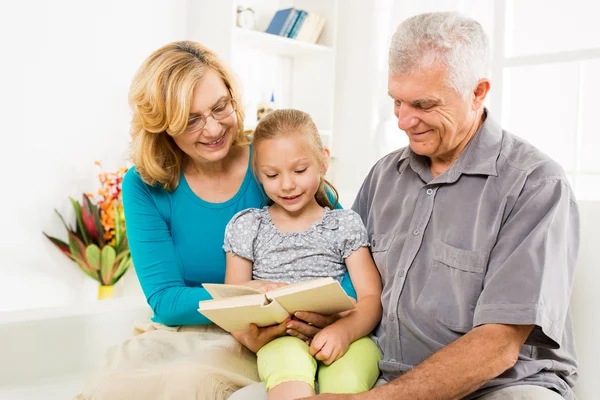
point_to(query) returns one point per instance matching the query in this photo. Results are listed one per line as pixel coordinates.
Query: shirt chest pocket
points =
(453, 286)
(380, 244)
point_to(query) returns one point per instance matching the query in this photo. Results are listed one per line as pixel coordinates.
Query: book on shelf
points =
(311, 29)
(235, 307)
(282, 21)
(299, 21)
(297, 24)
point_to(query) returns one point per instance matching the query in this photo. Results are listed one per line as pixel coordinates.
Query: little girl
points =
(300, 237)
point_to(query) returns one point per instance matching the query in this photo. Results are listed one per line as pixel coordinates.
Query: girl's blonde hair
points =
(287, 123)
(160, 98)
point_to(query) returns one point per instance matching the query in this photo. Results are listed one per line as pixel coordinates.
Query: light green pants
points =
(287, 359)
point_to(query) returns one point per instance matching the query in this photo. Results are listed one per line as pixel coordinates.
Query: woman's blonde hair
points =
(160, 98)
(287, 123)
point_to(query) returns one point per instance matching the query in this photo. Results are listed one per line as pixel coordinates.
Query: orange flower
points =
(111, 197)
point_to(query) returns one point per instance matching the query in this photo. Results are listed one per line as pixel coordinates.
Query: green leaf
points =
(124, 265)
(122, 254)
(99, 225)
(92, 275)
(78, 251)
(108, 261)
(117, 225)
(60, 244)
(124, 245)
(92, 210)
(79, 218)
(77, 248)
(94, 256)
(68, 228)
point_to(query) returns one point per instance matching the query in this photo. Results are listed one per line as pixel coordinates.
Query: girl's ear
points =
(326, 159)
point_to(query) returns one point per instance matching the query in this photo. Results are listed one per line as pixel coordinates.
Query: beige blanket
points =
(160, 362)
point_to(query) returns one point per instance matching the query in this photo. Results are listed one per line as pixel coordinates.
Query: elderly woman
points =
(191, 176)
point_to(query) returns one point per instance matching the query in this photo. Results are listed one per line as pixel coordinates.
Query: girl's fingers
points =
(332, 358)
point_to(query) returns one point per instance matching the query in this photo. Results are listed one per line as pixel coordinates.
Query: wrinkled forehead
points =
(419, 83)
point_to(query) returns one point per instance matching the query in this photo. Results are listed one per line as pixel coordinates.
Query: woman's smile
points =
(215, 144)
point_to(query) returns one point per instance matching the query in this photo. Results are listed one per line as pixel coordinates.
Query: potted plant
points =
(97, 242)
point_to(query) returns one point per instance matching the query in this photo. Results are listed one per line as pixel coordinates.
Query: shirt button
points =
(416, 232)
(429, 192)
(401, 272)
(391, 317)
(392, 360)
(373, 243)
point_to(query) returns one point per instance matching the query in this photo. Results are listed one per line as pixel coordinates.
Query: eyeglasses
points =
(219, 113)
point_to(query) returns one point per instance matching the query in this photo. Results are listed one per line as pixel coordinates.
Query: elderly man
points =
(474, 231)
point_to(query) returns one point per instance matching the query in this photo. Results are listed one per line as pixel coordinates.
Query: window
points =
(548, 88)
(544, 86)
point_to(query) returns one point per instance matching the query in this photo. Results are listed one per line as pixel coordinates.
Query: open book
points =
(235, 307)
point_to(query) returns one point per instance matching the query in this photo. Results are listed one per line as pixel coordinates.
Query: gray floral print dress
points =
(295, 257)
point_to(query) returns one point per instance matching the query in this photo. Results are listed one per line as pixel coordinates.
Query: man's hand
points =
(264, 286)
(329, 345)
(329, 396)
(306, 325)
(257, 337)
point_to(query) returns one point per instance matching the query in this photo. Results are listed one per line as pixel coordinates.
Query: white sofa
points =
(45, 354)
(585, 301)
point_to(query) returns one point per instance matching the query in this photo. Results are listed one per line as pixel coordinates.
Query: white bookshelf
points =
(282, 46)
(301, 75)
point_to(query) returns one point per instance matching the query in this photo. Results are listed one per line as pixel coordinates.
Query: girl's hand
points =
(264, 286)
(329, 344)
(257, 337)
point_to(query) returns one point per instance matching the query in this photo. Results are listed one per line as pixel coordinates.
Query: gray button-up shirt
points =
(494, 239)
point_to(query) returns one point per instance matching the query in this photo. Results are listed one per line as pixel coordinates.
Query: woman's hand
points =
(257, 337)
(264, 286)
(329, 344)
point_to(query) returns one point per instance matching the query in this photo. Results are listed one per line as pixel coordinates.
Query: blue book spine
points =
(277, 25)
(298, 24)
(290, 23)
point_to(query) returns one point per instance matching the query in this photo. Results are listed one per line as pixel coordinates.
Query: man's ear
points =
(480, 93)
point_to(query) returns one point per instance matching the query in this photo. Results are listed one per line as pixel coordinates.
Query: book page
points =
(221, 291)
(275, 310)
(236, 315)
(323, 296)
(300, 286)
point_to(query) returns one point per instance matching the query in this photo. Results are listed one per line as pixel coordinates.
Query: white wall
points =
(359, 86)
(64, 74)
(65, 71)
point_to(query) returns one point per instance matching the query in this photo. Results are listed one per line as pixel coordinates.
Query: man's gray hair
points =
(458, 42)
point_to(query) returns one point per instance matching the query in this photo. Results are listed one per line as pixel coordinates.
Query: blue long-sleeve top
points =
(176, 241)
